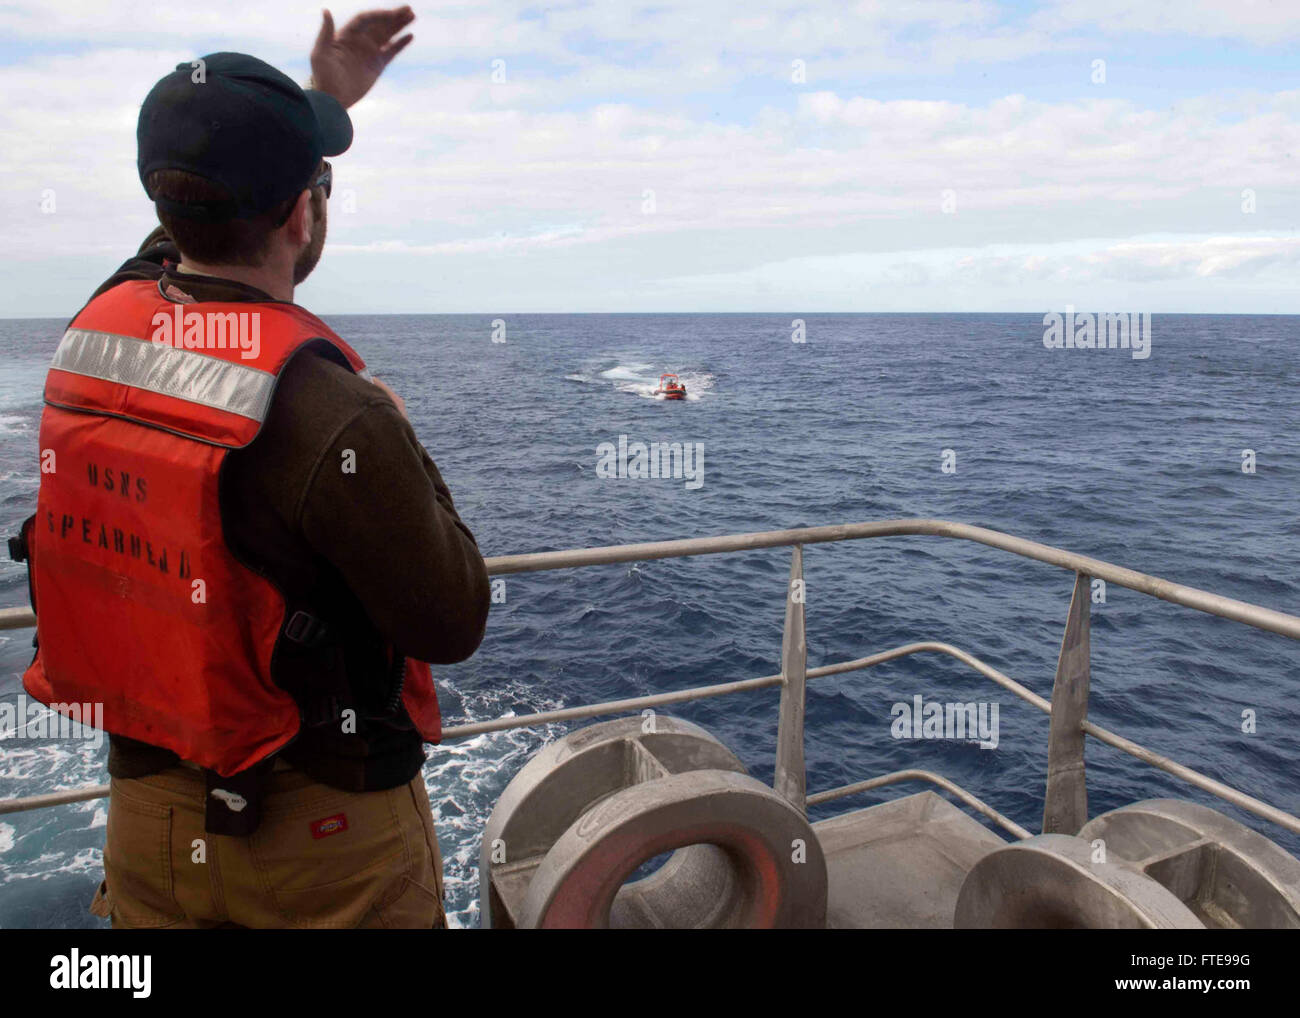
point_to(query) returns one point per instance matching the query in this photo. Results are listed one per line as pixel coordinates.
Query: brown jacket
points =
(381, 554)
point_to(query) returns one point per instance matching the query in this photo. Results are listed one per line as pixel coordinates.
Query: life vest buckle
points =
(305, 629)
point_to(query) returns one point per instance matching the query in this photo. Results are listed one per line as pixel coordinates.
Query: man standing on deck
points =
(241, 548)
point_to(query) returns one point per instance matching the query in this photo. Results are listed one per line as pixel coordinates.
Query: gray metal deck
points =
(900, 865)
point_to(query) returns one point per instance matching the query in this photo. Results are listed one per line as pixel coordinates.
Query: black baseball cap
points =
(238, 122)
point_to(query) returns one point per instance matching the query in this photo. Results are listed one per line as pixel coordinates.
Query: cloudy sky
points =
(766, 155)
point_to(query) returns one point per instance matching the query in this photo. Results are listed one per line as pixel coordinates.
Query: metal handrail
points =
(1083, 566)
(634, 704)
(1166, 590)
(973, 801)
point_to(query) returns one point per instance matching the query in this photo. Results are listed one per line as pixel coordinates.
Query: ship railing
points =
(1065, 802)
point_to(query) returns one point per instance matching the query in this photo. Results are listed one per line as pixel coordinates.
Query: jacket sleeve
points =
(147, 263)
(377, 508)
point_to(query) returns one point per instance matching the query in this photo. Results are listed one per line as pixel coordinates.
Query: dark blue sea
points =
(1138, 462)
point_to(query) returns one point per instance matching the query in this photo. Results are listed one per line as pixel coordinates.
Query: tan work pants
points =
(321, 858)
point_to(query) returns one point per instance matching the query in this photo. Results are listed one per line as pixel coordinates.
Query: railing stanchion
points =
(1065, 806)
(791, 778)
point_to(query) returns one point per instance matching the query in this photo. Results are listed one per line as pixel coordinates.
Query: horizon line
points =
(498, 314)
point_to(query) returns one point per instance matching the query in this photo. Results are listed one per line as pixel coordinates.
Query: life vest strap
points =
(20, 550)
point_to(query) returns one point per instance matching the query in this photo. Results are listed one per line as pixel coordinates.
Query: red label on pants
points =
(329, 825)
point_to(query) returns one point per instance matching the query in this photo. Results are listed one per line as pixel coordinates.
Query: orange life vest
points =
(141, 604)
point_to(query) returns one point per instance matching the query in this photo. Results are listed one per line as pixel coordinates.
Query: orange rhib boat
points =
(670, 387)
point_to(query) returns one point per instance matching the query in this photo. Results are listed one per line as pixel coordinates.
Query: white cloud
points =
(1242, 257)
(1263, 22)
(1093, 274)
(485, 181)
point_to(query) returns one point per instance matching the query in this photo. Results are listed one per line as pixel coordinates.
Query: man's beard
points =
(311, 253)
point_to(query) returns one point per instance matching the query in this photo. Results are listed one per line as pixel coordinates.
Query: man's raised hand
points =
(346, 64)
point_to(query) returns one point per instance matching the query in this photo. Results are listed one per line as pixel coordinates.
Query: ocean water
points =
(1138, 462)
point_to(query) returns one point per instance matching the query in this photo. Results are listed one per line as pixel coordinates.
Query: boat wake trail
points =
(638, 377)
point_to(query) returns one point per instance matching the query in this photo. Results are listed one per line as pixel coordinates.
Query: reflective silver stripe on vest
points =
(183, 374)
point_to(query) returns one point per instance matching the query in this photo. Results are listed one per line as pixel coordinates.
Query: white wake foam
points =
(641, 378)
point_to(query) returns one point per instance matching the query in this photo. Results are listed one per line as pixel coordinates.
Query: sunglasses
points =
(325, 180)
